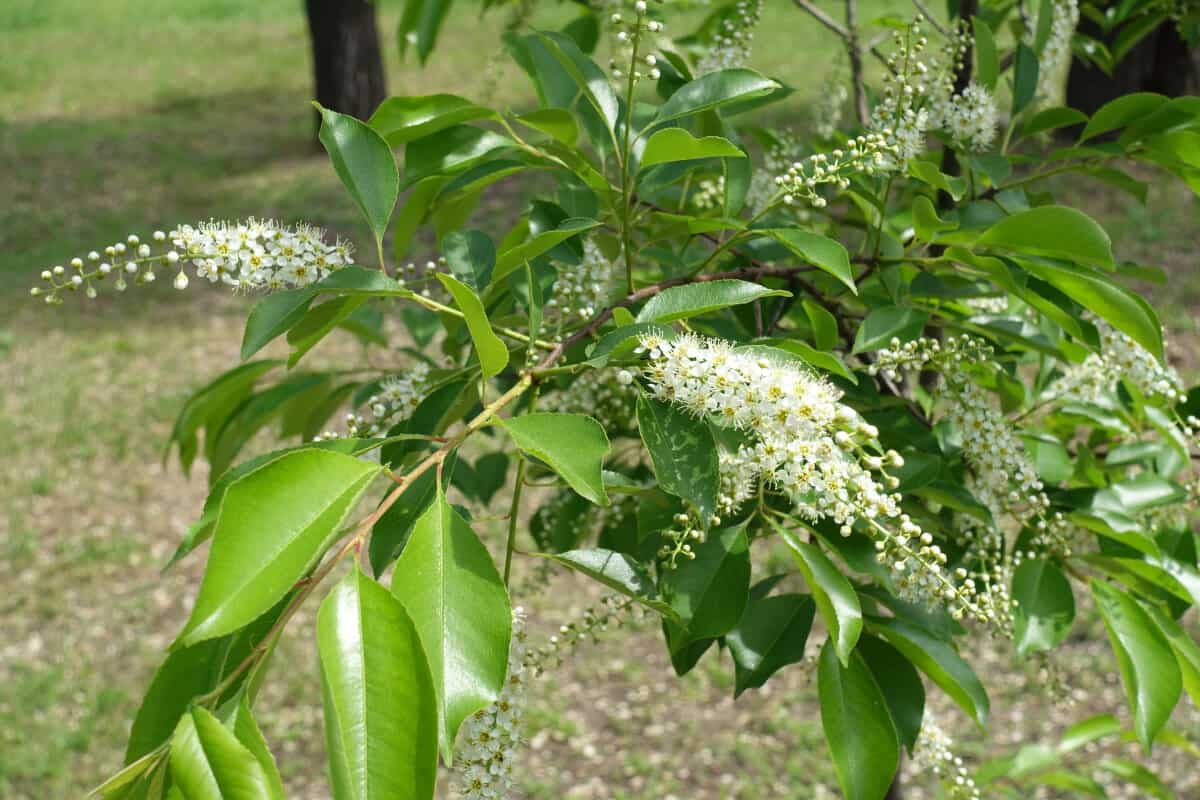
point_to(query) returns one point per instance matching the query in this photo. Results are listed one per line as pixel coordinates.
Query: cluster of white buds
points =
(730, 46)
(934, 753)
(629, 36)
(420, 277)
(807, 445)
(1120, 358)
(969, 117)
(596, 619)
(778, 157)
(709, 193)
(1057, 52)
(866, 154)
(988, 305)
(254, 254)
(396, 400)
(917, 354)
(688, 527)
(582, 290)
(491, 737)
(912, 87)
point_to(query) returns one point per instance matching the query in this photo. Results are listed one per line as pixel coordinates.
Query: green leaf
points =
(1088, 731)
(886, 323)
(1187, 653)
(771, 634)
(824, 325)
(272, 528)
(361, 282)
(1055, 231)
(683, 451)
(535, 246)
(835, 597)
(557, 123)
(926, 222)
(471, 257)
(413, 211)
(714, 90)
(711, 590)
(803, 352)
(1148, 668)
(987, 63)
(449, 151)
(676, 144)
(1045, 606)
(420, 23)
(573, 445)
(209, 763)
(1121, 112)
(619, 572)
(448, 584)
(364, 162)
(318, 323)
(381, 713)
(1025, 78)
(693, 299)
(901, 685)
(1121, 308)
(939, 661)
(1053, 119)
(493, 355)
(245, 728)
(273, 315)
(402, 119)
(928, 172)
(820, 251)
(858, 727)
(211, 405)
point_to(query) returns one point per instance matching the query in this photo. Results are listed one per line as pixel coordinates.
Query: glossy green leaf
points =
(711, 590)
(714, 90)
(987, 63)
(617, 571)
(824, 325)
(683, 451)
(318, 323)
(450, 151)
(770, 635)
(676, 144)
(926, 221)
(272, 528)
(493, 355)
(1187, 652)
(245, 728)
(555, 122)
(822, 252)
(1025, 78)
(381, 712)
(402, 119)
(364, 162)
(1055, 231)
(1052, 119)
(361, 282)
(1045, 606)
(939, 661)
(1087, 731)
(573, 445)
(471, 256)
(1148, 668)
(514, 257)
(272, 316)
(801, 351)
(1120, 112)
(858, 727)
(209, 763)
(694, 299)
(835, 597)
(446, 580)
(901, 685)
(210, 406)
(886, 323)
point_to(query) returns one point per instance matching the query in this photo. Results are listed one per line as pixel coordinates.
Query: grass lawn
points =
(121, 116)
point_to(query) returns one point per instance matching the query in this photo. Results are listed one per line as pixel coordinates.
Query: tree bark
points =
(1161, 63)
(347, 62)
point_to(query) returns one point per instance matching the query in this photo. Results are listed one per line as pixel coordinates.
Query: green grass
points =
(121, 116)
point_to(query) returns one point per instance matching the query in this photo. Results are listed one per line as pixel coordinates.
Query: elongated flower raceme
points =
(253, 254)
(808, 445)
(395, 401)
(730, 46)
(1120, 358)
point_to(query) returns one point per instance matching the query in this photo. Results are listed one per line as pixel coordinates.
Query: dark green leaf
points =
(401, 119)
(1120, 112)
(449, 151)
(514, 257)
(420, 23)
(364, 162)
(1045, 606)
(710, 591)
(272, 316)
(714, 90)
(901, 685)
(683, 452)
(771, 634)
(858, 727)
(1025, 78)
(617, 571)
(886, 323)
(835, 597)
(471, 257)
(987, 63)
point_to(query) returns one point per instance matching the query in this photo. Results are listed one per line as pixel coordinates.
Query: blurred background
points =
(126, 116)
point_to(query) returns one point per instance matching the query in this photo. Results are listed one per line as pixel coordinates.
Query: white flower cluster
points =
(934, 753)
(1057, 52)
(254, 254)
(491, 736)
(730, 46)
(581, 291)
(830, 105)
(866, 154)
(630, 43)
(777, 159)
(710, 193)
(806, 444)
(396, 400)
(611, 402)
(969, 117)
(1120, 358)
(913, 88)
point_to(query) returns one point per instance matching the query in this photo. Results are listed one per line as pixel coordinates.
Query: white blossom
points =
(583, 289)
(396, 400)
(1120, 358)
(934, 753)
(969, 117)
(730, 46)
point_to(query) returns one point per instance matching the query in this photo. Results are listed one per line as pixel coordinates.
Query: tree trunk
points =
(1161, 62)
(347, 63)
